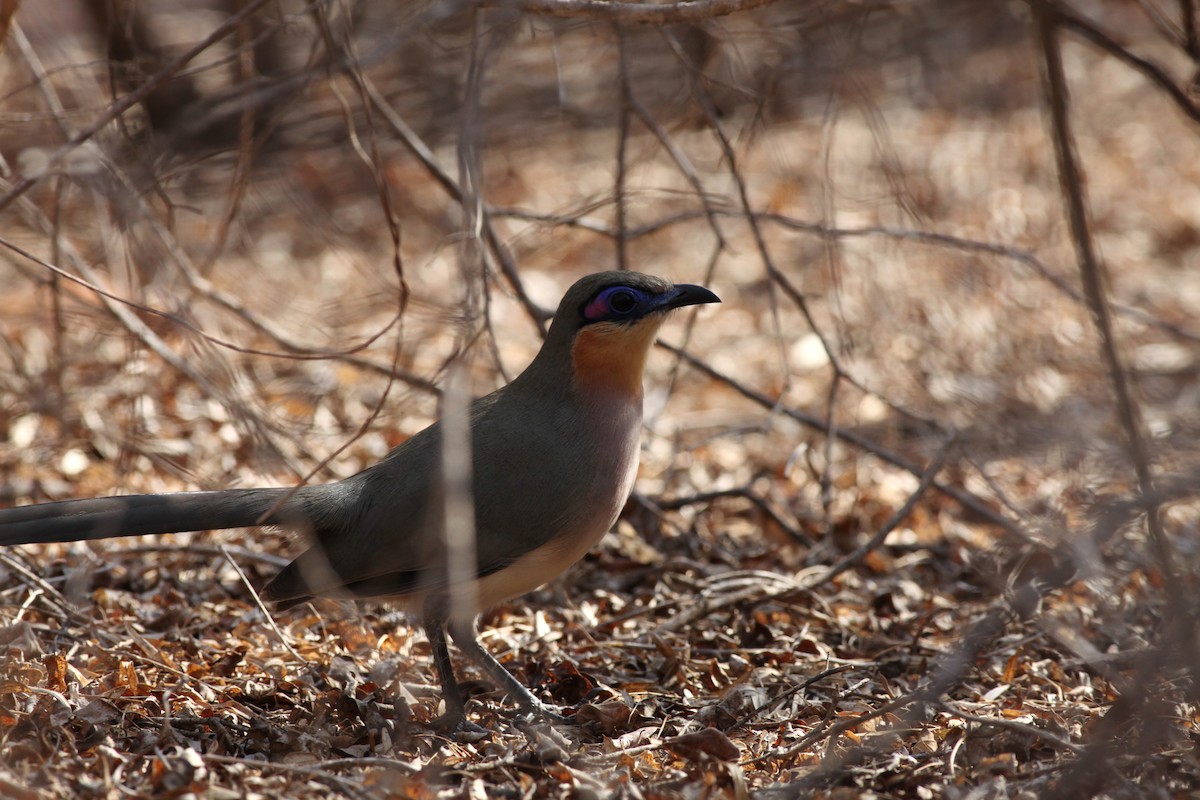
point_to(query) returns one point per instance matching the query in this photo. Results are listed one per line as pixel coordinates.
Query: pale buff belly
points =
(612, 481)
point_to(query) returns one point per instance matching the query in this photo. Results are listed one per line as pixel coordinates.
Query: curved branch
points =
(639, 13)
(1153, 72)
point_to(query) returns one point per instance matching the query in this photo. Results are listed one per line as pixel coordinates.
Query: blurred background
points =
(244, 241)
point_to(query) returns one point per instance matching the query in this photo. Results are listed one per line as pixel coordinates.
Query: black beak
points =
(686, 294)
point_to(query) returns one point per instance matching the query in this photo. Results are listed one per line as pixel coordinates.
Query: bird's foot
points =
(540, 710)
(455, 725)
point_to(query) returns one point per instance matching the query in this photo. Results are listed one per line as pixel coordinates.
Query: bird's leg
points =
(434, 615)
(468, 641)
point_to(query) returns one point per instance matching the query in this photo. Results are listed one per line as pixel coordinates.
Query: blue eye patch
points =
(614, 304)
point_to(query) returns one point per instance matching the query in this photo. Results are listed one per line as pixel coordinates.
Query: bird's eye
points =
(622, 301)
(614, 304)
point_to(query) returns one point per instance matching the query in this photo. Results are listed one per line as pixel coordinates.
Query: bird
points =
(554, 454)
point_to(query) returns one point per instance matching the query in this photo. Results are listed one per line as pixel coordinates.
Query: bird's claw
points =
(457, 726)
(548, 714)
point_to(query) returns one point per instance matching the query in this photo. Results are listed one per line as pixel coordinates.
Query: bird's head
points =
(607, 322)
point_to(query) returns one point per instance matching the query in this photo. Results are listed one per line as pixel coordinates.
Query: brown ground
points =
(908, 297)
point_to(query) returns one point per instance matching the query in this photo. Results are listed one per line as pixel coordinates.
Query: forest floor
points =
(886, 537)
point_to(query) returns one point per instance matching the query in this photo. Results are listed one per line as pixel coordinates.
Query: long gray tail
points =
(142, 514)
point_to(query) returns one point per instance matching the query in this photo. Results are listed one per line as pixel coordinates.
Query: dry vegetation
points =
(889, 535)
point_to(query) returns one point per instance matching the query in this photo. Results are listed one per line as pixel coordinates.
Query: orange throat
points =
(608, 358)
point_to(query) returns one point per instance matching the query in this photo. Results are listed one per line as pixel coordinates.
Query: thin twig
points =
(1094, 278)
(287, 645)
(228, 26)
(636, 13)
(898, 516)
(744, 492)
(317, 772)
(624, 115)
(1020, 728)
(1105, 41)
(964, 497)
(792, 692)
(53, 596)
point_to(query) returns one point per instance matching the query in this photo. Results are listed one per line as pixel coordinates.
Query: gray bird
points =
(553, 459)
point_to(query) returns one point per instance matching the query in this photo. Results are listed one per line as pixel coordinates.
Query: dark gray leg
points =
(433, 619)
(467, 641)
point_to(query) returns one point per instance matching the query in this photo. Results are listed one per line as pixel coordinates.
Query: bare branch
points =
(636, 13)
